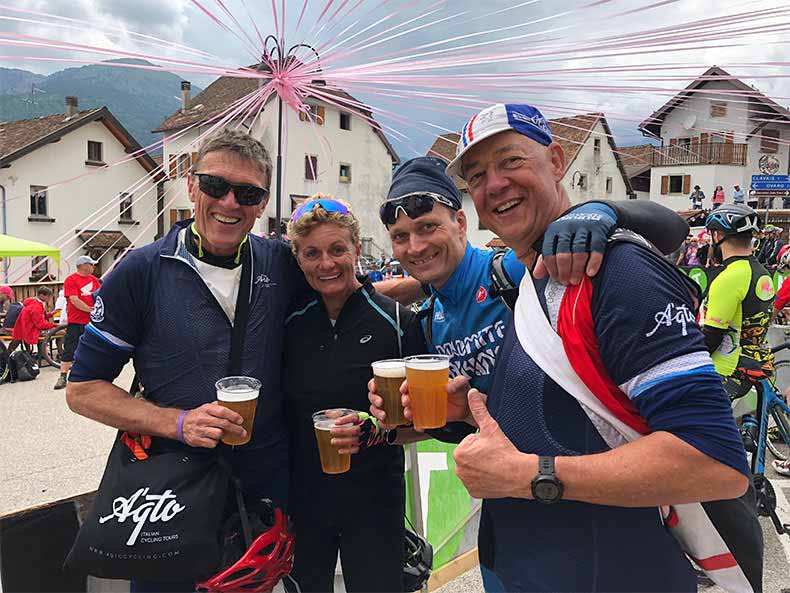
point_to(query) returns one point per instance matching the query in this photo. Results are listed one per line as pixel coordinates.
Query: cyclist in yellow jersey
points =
(737, 312)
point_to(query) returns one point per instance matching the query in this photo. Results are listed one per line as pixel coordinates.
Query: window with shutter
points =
(718, 109)
(664, 185)
(769, 141)
(686, 184)
(173, 166)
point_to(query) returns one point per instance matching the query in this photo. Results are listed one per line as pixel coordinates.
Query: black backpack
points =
(23, 366)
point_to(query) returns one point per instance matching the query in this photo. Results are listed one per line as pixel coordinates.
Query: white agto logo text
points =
(152, 508)
(671, 315)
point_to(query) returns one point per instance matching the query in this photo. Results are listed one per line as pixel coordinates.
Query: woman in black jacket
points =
(331, 340)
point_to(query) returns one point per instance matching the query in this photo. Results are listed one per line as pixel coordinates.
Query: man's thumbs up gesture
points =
(487, 462)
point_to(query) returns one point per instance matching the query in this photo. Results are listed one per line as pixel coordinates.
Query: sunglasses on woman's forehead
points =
(327, 204)
(217, 187)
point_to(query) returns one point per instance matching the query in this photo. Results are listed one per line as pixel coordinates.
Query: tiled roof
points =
(444, 148)
(636, 159)
(572, 132)
(220, 94)
(18, 134)
(22, 137)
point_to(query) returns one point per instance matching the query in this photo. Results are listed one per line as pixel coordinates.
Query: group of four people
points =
(170, 307)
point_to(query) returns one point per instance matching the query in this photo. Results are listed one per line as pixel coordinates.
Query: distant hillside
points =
(140, 99)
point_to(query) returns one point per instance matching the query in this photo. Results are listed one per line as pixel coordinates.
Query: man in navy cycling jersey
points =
(171, 307)
(603, 531)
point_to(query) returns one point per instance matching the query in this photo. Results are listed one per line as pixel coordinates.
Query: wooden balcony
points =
(715, 153)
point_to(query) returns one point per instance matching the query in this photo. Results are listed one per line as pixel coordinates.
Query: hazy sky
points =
(742, 46)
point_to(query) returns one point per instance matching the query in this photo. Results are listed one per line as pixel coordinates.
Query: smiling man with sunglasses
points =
(180, 307)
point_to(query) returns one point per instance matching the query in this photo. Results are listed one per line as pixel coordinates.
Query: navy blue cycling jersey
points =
(657, 355)
(468, 325)
(156, 309)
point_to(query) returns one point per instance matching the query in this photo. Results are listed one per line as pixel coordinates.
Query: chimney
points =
(186, 89)
(71, 106)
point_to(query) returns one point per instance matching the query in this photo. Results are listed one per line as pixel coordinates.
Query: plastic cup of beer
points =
(428, 375)
(239, 394)
(390, 375)
(332, 462)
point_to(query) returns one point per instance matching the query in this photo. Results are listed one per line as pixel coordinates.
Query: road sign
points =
(770, 179)
(770, 192)
(770, 186)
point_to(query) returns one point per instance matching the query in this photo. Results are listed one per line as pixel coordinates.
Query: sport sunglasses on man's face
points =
(414, 205)
(218, 187)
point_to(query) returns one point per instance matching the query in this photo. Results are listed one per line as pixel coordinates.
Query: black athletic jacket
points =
(327, 367)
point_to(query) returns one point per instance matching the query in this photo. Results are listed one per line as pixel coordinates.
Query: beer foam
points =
(427, 365)
(237, 393)
(324, 424)
(391, 369)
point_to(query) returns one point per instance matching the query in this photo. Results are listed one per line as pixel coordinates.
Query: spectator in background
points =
(737, 194)
(691, 256)
(78, 290)
(704, 252)
(11, 308)
(718, 196)
(697, 197)
(33, 319)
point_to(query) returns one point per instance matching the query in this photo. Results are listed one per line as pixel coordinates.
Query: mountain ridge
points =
(140, 99)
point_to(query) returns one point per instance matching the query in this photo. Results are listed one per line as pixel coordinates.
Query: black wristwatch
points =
(546, 487)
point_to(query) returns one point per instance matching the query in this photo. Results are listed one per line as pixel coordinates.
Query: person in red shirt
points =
(32, 320)
(78, 290)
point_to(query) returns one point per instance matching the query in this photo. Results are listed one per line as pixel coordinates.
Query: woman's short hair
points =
(305, 224)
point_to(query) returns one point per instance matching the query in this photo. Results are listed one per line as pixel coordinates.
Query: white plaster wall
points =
(693, 116)
(706, 176)
(474, 234)
(597, 169)
(371, 165)
(74, 201)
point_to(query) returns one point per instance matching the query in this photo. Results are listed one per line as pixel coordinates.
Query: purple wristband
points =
(181, 426)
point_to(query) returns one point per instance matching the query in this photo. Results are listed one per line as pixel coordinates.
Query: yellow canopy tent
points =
(13, 246)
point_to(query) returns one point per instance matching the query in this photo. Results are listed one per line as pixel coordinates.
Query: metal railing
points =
(715, 153)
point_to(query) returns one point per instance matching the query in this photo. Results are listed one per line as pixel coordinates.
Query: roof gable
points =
(652, 125)
(636, 159)
(217, 97)
(22, 137)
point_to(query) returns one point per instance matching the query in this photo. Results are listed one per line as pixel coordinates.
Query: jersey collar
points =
(455, 289)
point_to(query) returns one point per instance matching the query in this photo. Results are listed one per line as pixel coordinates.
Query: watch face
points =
(546, 490)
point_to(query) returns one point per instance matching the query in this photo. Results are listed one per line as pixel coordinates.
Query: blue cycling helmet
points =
(732, 219)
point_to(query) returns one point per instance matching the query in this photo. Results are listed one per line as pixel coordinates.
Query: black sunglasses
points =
(217, 187)
(414, 205)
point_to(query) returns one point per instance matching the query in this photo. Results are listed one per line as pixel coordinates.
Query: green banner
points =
(445, 502)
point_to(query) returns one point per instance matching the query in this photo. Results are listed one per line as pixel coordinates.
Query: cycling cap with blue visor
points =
(418, 185)
(524, 119)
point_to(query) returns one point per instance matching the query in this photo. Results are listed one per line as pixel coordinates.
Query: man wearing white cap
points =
(604, 404)
(78, 289)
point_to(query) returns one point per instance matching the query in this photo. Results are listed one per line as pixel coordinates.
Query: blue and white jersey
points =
(468, 325)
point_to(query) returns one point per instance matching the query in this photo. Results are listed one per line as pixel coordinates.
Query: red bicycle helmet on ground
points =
(258, 551)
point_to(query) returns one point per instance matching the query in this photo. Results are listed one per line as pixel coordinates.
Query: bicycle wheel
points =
(52, 345)
(781, 376)
(4, 368)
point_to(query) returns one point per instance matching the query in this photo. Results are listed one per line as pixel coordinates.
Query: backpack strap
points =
(427, 314)
(502, 285)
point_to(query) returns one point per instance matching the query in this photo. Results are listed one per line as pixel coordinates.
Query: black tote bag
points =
(154, 519)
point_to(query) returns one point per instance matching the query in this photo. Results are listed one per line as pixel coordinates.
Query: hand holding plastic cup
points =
(332, 461)
(427, 376)
(390, 375)
(239, 394)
